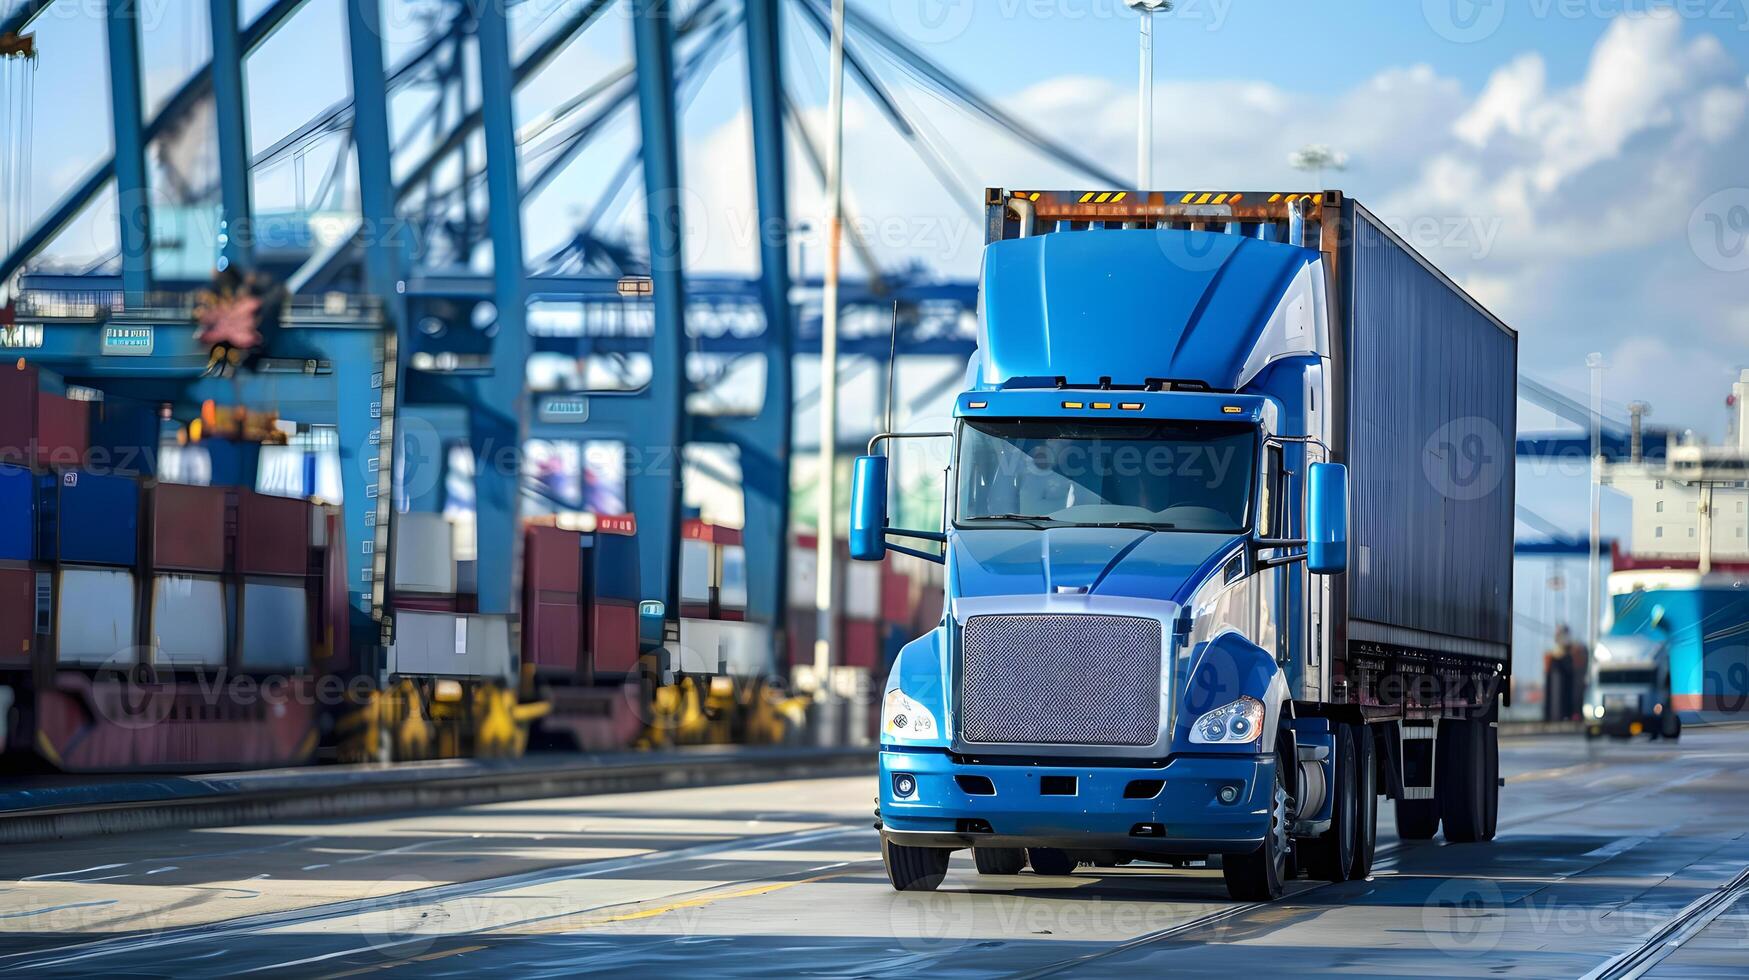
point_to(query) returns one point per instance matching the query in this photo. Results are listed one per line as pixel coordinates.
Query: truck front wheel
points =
(914, 869)
(1670, 725)
(1261, 875)
(999, 860)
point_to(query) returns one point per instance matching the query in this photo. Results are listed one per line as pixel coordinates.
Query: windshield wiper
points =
(1035, 521)
(1134, 525)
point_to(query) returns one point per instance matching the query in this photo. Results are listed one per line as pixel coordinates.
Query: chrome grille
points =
(1061, 680)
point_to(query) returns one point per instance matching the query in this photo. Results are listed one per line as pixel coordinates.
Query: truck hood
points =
(1164, 565)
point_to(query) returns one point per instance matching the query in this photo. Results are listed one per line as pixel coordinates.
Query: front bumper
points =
(1185, 817)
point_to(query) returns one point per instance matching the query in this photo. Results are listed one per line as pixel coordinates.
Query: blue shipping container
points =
(87, 517)
(17, 514)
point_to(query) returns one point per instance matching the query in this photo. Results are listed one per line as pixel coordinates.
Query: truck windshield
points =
(1185, 476)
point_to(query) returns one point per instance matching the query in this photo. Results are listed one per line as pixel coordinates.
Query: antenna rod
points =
(892, 363)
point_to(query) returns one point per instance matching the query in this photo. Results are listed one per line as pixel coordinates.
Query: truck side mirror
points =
(868, 509)
(1327, 519)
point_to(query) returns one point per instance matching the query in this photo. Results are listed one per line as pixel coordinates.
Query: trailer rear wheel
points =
(914, 869)
(999, 860)
(1459, 778)
(1330, 855)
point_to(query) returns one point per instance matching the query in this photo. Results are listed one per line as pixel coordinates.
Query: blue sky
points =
(1577, 163)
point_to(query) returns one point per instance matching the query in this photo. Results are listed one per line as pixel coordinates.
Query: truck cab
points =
(1145, 534)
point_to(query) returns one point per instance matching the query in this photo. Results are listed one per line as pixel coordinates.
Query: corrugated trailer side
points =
(1431, 423)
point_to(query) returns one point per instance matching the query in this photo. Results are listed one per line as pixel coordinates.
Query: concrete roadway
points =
(1607, 851)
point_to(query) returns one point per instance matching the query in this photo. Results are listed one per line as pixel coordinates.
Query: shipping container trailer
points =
(1255, 641)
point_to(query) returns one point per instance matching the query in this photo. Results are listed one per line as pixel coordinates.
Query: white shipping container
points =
(94, 623)
(276, 625)
(710, 646)
(860, 593)
(733, 590)
(424, 554)
(452, 645)
(695, 571)
(188, 621)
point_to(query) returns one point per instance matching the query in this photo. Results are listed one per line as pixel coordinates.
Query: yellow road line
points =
(1530, 777)
(394, 964)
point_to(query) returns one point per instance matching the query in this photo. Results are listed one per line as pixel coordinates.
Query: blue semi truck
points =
(1228, 546)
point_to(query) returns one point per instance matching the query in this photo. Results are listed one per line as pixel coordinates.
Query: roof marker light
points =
(1074, 405)
(1131, 406)
(1232, 409)
(977, 404)
(1102, 406)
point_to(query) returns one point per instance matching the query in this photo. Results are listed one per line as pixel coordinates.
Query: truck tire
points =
(1366, 771)
(1050, 862)
(1670, 726)
(1458, 780)
(999, 860)
(1261, 875)
(1330, 855)
(914, 869)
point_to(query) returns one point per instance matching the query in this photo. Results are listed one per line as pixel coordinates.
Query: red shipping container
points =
(17, 615)
(861, 644)
(273, 534)
(63, 431)
(188, 528)
(552, 632)
(38, 428)
(613, 637)
(554, 560)
(17, 414)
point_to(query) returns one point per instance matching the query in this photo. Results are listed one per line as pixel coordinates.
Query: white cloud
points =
(1564, 204)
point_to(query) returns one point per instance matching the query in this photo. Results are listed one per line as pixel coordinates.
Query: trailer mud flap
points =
(1417, 759)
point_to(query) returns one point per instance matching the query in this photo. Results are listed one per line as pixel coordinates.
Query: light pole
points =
(823, 579)
(1594, 569)
(1145, 110)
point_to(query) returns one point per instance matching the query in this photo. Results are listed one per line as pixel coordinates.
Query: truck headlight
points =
(1230, 724)
(904, 718)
